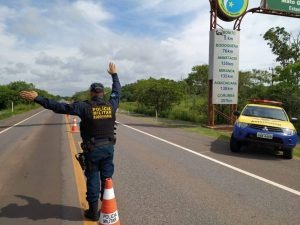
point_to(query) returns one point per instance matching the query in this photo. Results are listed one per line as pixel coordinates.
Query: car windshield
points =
(270, 113)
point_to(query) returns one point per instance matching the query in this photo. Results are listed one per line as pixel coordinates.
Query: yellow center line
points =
(79, 176)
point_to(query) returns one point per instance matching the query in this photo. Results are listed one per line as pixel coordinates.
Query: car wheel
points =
(235, 146)
(288, 153)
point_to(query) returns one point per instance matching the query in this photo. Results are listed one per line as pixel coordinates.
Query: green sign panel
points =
(291, 6)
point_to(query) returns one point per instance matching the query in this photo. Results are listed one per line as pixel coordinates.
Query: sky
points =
(62, 46)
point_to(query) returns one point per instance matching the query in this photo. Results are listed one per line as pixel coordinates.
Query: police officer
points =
(97, 133)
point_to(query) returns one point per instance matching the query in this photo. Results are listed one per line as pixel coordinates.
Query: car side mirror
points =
(294, 119)
(236, 113)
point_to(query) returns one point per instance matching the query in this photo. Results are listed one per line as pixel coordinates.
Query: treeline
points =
(188, 99)
(85, 95)
(168, 98)
(10, 93)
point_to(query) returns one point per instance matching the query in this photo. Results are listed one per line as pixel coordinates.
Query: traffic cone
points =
(108, 212)
(74, 126)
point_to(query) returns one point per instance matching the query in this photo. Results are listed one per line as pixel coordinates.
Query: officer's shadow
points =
(35, 210)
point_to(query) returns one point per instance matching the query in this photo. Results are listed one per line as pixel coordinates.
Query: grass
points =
(18, 109)
(297, 151)
(197, 128)
(128, 106)
(223, 135)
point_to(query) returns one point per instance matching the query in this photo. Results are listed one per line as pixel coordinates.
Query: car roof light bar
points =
(264, 101)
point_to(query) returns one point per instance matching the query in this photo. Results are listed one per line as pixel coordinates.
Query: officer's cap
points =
(97, 87)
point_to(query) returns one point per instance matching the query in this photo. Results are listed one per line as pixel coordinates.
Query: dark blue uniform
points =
(101, 158)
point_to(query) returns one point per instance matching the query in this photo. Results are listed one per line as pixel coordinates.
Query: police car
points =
(264, 123)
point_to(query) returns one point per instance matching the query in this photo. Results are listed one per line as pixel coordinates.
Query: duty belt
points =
(102, 142)
(90, 146)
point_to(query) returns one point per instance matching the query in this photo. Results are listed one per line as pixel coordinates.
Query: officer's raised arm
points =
(116, 86)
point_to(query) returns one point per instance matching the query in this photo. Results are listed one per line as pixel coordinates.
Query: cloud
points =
(5, 12)
(171, 7)
(6, 39)
(92, 11)
(29, 22)
(44, 59)
(18, 68)
(14, 71)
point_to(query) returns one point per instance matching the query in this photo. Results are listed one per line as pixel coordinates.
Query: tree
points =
(284, 45)
(10, 93)
(20, 86)
(287, 49)
(81, 96)
(198, 80)
(261, 77)
(85, 95)
(289, 74)
(158, 94)
(5, 96)
(128, 93)
(286, 87)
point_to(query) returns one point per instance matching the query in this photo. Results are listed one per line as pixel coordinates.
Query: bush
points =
(136, 108)
(191, 109)
(128, 106)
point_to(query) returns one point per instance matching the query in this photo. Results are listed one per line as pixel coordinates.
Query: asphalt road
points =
(172, 177)
(36, 177)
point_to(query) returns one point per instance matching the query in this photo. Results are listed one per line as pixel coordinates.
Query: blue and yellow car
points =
(264, 123)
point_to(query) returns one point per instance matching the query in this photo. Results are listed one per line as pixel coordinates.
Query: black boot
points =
(92, 213)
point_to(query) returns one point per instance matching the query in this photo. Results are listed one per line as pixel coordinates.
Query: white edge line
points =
(1, 132)
(219, 162)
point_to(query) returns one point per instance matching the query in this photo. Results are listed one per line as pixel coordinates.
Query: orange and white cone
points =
(109, 213)
(74, 126)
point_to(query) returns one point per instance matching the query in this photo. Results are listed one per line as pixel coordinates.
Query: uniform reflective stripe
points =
(110, 218)
(109, 194)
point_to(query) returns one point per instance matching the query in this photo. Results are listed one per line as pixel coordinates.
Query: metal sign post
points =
(213, 25)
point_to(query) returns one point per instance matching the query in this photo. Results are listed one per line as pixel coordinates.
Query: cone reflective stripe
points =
(109, 213)
(74, 126)
(109, 194)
